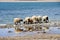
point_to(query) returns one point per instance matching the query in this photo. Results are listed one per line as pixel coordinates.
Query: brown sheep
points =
(28, 20)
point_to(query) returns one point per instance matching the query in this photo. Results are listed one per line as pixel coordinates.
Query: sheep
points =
(35, 19)
(39, 19)
(45, 19)
(17, 20)
(28, 20)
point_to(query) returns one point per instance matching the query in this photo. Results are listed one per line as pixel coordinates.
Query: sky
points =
(30, 0)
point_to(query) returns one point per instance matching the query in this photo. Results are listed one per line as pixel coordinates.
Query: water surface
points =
(11, 10)
(4, 32)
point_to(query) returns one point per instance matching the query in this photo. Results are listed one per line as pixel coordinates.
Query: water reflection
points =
(11, 32)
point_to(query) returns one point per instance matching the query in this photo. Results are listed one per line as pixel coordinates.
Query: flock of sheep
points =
(32, 20)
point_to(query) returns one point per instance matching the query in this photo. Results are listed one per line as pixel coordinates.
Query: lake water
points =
(4, 32)
(11, 10)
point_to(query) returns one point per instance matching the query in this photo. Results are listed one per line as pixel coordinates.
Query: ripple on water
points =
(10, 32)
(54, 30)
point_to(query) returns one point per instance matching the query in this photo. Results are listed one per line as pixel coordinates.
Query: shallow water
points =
(54, 30)
(4, 32)
(11, 10)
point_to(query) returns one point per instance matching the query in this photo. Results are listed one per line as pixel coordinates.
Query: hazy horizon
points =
(30, 0)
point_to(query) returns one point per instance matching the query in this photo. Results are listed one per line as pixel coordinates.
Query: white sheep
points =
(39, 19)
(35, 19)
(45, 19)
(28, 20)
(17, 20)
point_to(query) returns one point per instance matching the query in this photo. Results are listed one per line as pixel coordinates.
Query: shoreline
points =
(37, 36)
(51, 23)
(33, 37)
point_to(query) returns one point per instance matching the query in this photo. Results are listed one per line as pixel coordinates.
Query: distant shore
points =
(29, 0)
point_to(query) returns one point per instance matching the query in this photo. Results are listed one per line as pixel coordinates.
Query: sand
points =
(40, 36)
